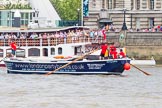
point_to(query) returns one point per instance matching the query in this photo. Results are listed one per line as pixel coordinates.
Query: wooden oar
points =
(2, 59)
(71, 62)
(146, 73)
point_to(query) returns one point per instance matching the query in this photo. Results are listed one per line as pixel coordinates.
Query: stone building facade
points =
(140, 14)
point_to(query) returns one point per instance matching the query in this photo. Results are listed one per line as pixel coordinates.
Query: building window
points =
(137, 23)
(151, 22)
(94, 3)
(109, 4)
(24, 19)
(0, 18)
(12, 15)
(123, 4)
(138, 4)
(131, 4)
(103, 4)
(114, 5)
(151, 4)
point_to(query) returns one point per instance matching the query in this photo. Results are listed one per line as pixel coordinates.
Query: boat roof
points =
(75, 44)
(15, 30)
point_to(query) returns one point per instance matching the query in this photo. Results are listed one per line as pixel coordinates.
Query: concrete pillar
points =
(41, 52)
(112, 4)
(134, 4)
(11, 18)
(141, 5)
(49, 51)
(104, 4)
(155, 4)
(26, 52)
(161, 4)
(147, 3)
(4, 52)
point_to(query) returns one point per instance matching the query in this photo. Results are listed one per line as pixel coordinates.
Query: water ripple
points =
(132, 89)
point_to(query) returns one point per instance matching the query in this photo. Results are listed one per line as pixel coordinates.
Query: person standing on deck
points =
(13, 48)
(104, 30)
(104, 47)
(113, 53)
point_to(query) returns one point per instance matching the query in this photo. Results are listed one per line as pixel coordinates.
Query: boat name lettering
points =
(95, 66)
(113, 61)
(48, 66)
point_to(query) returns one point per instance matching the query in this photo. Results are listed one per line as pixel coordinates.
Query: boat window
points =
(1, 52)
(59, 50)
(8, 53)
(78, 50)
(52, 51)
(20, 53)
(45, 52)
(34, 52)
(75, 51)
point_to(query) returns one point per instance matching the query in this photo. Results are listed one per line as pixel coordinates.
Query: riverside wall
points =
(139, 45)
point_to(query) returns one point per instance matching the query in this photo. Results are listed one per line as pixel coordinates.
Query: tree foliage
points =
(67, 9)
(18, 5)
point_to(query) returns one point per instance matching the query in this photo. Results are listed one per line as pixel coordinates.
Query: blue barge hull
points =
(110, 66)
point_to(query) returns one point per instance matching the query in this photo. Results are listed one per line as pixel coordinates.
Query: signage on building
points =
(85, 8)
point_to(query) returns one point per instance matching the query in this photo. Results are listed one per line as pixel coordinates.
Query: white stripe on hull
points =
(44, 72)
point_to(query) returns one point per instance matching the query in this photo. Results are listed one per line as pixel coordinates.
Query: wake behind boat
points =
(109, 66)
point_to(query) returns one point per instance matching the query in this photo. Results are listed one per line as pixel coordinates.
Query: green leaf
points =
(67, 9)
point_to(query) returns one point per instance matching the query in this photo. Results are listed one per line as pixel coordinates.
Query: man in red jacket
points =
(122, 54)
(113, 52)
(13, 48)
(103, 50)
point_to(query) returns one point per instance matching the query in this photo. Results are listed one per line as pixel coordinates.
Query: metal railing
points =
(51, 41)
(132, 39)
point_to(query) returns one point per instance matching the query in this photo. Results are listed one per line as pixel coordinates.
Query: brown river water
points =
(131, 90)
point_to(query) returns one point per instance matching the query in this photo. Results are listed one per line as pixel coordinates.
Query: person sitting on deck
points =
(121, 54)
